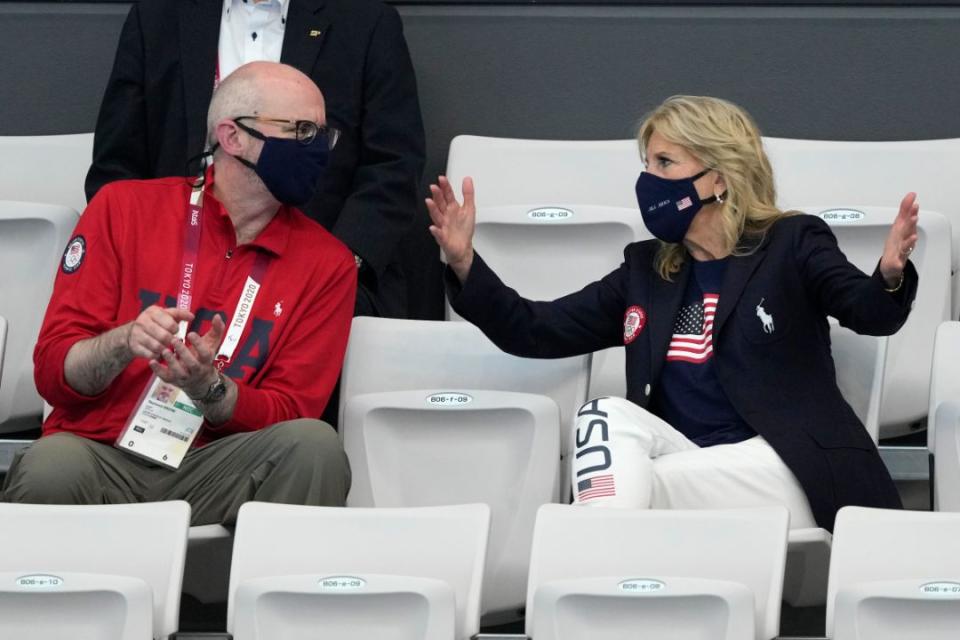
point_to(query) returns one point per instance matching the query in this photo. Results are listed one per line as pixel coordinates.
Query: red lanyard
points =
(191, 252)
(191, 248)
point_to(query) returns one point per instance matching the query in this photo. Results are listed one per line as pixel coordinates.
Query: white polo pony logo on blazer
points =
(765, 317)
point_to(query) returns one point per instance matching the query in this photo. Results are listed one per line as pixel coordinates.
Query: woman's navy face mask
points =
(669, 206)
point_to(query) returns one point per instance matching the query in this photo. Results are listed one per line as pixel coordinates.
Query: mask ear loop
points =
(204, 163)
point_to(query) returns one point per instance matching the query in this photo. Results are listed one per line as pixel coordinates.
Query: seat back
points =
(547, 252)
(32, 240)
(829, 173)
(146, 541)
(553, 218)
(79, 606)
(943, 424)
(544, 173)
(46, 168)
(861, 233)
(944, 375)
(400, 443)
(745, 546)
(447, 544)
(3, 344)
(860, 362)
(401, 355)
(429, 400)
(868, 548)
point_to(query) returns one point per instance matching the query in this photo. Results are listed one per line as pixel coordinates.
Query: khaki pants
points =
(296, 462)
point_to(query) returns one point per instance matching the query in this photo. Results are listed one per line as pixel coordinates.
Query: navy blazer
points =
(782, 383)
(153, 117)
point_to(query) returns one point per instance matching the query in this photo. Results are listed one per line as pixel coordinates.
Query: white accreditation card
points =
(164, 425)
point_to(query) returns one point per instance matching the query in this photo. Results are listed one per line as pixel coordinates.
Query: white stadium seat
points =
(860, 363)
(32, 239)
(50, 169)
(3, 344)
(607, 574)
(433, 413)
(91, 571)
(79, 606)
(861, 232)
(554, 217)
(883, 589)
(828, 173)
(547, 252)
(509, 171)
(356, 574)
(943, 432)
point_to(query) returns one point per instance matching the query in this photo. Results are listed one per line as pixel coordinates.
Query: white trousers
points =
(626, 457)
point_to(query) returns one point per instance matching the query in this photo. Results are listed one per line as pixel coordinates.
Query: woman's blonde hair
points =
(723, 137)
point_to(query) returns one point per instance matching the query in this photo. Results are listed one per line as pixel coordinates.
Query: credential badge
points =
(634, 320)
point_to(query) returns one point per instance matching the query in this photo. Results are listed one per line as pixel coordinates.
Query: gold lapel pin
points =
(315, 33)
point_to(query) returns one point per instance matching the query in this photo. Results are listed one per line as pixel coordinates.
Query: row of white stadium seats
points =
(416, 574)
(427, 400)
(553, 195)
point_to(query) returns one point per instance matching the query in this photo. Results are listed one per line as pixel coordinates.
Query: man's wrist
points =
(207, 391)
(124, 349)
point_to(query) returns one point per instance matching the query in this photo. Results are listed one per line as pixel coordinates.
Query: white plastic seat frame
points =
(406, 451)
(643, 552)
(913, 592)
(943, 430)
(3, 344)
(146, 541)
(81, 606)
(422, 400)
(313, 554)
(48, 169)
(856, 174)
(542, 197)
(548, 252)
(32, 241)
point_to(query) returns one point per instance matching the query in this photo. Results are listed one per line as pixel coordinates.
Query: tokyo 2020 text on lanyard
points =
(166, 421)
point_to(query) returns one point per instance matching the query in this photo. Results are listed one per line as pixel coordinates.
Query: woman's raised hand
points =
(900, 241)
(453, 224)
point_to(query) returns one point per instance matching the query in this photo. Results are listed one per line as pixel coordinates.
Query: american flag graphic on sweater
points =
(693, 331)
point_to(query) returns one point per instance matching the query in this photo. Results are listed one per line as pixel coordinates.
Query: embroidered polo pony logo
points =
(765, 317)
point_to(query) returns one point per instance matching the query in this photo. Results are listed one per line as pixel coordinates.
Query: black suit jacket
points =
(153, 116)
(782, 383)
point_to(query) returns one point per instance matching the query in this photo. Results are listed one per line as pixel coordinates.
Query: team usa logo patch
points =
(74, 254)
(634, 320)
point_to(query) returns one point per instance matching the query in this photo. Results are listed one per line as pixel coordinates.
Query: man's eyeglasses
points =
(305, 130)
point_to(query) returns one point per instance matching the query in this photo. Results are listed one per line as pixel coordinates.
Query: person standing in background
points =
(172, 53)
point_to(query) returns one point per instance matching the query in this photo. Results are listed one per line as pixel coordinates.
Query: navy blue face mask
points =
(669, 206)
(290, 169)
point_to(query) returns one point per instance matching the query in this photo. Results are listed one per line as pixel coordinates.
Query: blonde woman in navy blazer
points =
(731, 388)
